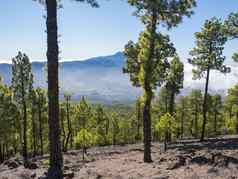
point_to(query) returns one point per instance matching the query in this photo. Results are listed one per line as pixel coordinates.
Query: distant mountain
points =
(100, 79)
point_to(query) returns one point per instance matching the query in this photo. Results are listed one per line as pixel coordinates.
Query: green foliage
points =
(84, 139)
(209, 48)
(231, 25)
(22, 78)
(166, 124)
(169, 13)
(175, 76)
(140, 67)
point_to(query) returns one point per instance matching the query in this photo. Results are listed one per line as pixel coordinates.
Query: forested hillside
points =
(49, 131)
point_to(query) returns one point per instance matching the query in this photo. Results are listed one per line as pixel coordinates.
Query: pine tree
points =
(195, 99)
(41, 103)
(56, 158)
(231, 104)
(67, 98)
(174, 80)
(231, 29)
(138, 117)
(182, 115)
(145, 59)
(22, 81)
(83, 114)
(207, 56)
(216, 108)
(9, 120)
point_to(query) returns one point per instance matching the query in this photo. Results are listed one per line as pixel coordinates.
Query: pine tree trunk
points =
(215, 123)
(24, 149)
(171, 103)
(56, 159)
(62, 130)
(138, 116)
(171, 111)
(40, 131)
(1, 153)
(69, 127)
(196, 121)
(147, 127)
(182, 122)
(236, 122)
(205, 105)
(33, 132)
(148, 91)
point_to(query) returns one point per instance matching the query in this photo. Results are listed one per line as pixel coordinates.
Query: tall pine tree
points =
(22, 81)
(207, 56)
(145, 59)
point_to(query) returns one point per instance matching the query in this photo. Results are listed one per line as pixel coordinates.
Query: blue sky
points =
(88, 32)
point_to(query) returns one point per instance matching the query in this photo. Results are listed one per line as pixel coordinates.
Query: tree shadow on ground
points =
(222, 143)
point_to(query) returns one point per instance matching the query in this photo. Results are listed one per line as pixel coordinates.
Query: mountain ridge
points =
(100, 79)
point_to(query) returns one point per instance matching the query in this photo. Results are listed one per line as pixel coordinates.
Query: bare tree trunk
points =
(171, 111)
(56, 159)
(40, 131)
(205, 105)
(196, 121)
(215, 123)
(24, 147)
(236, 122)
(138, 116)
(148, 91)
(69, 127)
(33, 132)
(182, 121)
(62, 129)
(147, 128)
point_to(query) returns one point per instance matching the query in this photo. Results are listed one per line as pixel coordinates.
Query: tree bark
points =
(24, 147)
(148, 91)
(147, 127)
(196, 120)
(182, 120)
(40, 129)
(138, 116)
(236, 122)
(33, 131)
(205, 106)
(215, 123)
(69, 126)
(171, 111)
(56, 158)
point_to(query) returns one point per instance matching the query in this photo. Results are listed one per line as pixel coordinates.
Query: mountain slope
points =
(101, 79)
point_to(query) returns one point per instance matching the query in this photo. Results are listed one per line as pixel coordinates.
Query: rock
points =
(98, 176)
(212, 170)
(201, 160)
(67, 161)
(24, 174)
(19, 161)
(160, 177)
(180, 161)
(32, 166)
(12, 164)
(223, 160)
(42, 177)
(69, 175)
(74, 153)
(66, 167)
(33, 175)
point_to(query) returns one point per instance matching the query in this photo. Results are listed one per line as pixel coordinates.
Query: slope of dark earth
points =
(189, 159)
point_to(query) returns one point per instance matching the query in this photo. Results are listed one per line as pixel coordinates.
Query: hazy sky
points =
(88, 32)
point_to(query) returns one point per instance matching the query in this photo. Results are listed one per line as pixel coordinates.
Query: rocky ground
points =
(187, 159)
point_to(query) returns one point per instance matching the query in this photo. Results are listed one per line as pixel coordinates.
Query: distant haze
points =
(100, 79)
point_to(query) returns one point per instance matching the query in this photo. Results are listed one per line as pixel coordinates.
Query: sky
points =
(89, 32)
